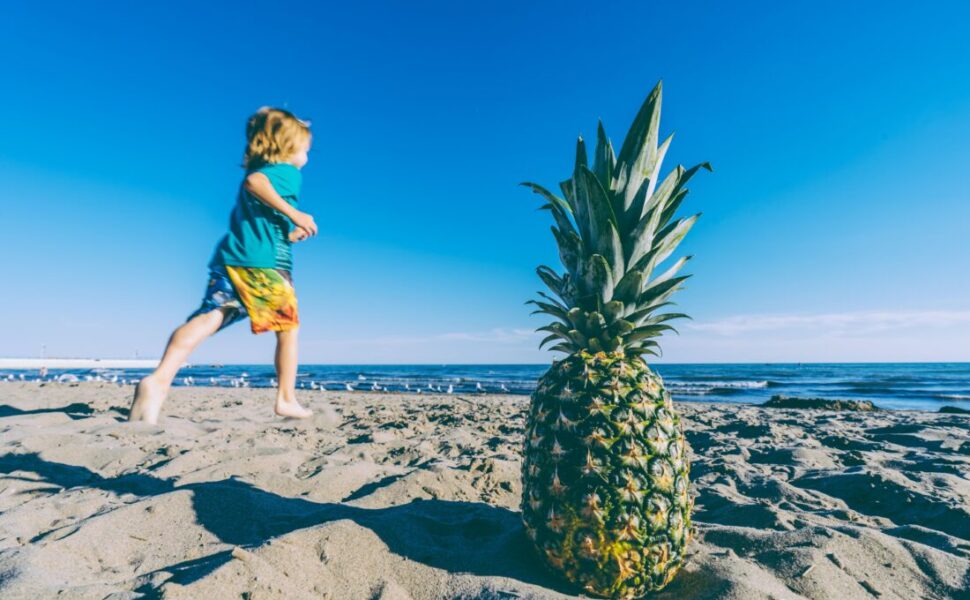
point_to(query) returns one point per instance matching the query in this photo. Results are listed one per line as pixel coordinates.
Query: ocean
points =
(922, 386)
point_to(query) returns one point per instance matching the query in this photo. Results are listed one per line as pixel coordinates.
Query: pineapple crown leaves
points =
(614, 225)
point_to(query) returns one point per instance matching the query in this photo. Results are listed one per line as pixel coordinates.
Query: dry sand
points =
(393, 497)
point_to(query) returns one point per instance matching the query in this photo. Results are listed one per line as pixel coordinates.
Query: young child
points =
(249, 274)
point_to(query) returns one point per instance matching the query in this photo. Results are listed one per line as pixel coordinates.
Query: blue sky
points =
(835, 224)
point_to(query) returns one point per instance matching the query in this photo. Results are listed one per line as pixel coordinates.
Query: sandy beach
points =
(395, 496)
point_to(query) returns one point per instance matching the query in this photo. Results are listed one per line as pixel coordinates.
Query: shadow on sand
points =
(459, 537)
(76, 411)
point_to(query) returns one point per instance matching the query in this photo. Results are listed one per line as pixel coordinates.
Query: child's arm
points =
(259, 186)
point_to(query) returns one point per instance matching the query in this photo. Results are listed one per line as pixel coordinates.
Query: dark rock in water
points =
(823, 403)
(954, 410)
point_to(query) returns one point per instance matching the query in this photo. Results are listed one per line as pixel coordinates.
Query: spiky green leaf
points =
(604, 161)
(669, 238)
(552, 280)
(570, 249)
(605, 236)
(567, 347)
(613, 310)
(550, 309)
(559, 208)
(597, 277)
(654, 291)
(645, 332)
(639, 147)
(629, 288)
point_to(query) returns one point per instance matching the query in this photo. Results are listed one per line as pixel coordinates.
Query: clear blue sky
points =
(835, 225)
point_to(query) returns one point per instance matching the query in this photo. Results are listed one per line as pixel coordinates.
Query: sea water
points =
(923, 386)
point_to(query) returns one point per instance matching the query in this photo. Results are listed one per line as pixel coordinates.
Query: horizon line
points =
(103, 361)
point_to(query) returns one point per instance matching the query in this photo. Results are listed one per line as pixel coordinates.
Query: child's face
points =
(301, 157)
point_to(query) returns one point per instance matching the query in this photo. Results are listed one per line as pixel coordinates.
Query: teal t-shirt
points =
(259, 234)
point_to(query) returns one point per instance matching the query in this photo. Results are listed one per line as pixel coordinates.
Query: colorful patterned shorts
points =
(266, 296)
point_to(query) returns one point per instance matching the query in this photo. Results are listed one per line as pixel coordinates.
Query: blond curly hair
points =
(273, 135)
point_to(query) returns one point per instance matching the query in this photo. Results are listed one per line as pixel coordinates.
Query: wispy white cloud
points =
(860, 336)
(815, 325)
(846, 324)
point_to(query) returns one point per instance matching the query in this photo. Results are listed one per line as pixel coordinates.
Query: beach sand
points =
(393, 496)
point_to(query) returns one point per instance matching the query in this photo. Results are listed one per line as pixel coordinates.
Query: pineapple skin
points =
(605, 494)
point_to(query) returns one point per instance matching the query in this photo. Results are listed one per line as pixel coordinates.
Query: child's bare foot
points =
(147, 405)
(291, 408)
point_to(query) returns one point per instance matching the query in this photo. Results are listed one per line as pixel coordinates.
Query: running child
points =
(250, 270)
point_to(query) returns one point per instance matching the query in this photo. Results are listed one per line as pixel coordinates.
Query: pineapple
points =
(605, 493)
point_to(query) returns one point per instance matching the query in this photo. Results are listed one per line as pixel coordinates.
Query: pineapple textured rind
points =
(605, 479)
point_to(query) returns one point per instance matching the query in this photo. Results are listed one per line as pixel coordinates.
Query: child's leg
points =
(151, 391)
(286, 350)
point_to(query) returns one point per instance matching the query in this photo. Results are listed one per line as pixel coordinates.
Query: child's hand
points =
(305, 222)
(298, 234)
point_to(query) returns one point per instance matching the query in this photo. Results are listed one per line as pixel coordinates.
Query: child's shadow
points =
(467, 537)
(76, 411)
